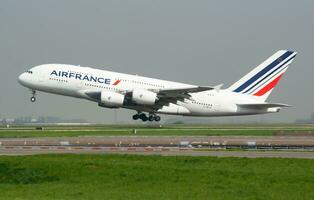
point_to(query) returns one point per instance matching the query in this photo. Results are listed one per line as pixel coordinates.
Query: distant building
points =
(9, 121)
(39, 120)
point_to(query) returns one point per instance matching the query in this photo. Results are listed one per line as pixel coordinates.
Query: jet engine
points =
(144, 97)
(111, 99)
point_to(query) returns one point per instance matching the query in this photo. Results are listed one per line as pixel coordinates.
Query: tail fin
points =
(262, 80)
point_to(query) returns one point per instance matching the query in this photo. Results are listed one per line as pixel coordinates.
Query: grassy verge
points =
(128, 132)
(154, 177)
(146, 132)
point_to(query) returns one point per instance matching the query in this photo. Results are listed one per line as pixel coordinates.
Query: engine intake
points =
(144, 97)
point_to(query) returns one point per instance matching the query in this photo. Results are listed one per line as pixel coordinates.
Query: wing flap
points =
(173, 95)
(176, 91)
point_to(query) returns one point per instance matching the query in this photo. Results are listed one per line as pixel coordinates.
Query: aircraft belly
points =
(174, 110)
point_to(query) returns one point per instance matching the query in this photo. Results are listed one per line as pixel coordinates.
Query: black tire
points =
(33, 99)
(151, 118)
(135, 117)
(143, 117)
(157, 118)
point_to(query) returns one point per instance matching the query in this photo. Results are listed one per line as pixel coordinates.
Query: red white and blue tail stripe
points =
(263, 79)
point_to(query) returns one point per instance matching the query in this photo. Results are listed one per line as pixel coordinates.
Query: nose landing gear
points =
(33, 98)
(144, 118)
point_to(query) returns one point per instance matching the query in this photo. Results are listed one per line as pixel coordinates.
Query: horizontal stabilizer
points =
(263, 105)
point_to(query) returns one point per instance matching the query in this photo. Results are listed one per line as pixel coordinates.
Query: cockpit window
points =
(29, 71)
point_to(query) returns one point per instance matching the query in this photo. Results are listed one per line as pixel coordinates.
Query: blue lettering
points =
(85, 78)
(107, 81)
(81, 77)
(78, 76)
(54, 73)
(101, 80)
(65, 74)
(93, 79)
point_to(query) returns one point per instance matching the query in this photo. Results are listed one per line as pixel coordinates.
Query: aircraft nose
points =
(21, 79)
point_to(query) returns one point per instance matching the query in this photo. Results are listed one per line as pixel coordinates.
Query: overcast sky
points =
(198, 42)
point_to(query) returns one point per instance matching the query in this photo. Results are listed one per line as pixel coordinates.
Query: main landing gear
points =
(33, 98)
(144, 118)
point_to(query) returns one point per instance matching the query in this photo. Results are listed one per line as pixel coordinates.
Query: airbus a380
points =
(153, 96)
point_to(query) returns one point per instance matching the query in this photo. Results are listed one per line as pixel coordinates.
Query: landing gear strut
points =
(144, 118)
(33, 98)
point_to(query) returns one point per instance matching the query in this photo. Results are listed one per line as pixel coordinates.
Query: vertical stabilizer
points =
(262, 80)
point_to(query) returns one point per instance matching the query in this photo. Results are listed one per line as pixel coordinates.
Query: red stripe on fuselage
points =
(117, 82)
(268, 87)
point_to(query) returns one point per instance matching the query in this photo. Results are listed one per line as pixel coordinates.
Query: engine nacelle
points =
(111, 99)
(144, 97)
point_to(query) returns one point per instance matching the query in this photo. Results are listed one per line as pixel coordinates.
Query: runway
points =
(241, 146)
(162, 151)
(166, 141)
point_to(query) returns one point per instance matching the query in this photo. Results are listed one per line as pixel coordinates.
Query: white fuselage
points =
(75, 81)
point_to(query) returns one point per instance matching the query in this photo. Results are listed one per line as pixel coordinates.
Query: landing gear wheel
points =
(157, 118)
(33, 99)
(143, 117)
(136, 117)
(151, 118)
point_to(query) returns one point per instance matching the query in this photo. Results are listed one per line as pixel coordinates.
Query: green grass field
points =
(126, 132)
(154, 177)
(29, 131)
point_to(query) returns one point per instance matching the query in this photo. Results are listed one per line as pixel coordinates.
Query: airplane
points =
(154, 96)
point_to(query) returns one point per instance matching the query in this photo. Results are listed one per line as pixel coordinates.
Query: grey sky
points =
(199, 42)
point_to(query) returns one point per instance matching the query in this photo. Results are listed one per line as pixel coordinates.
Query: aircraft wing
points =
(167, 96)
(263, 105)
(183, 91)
